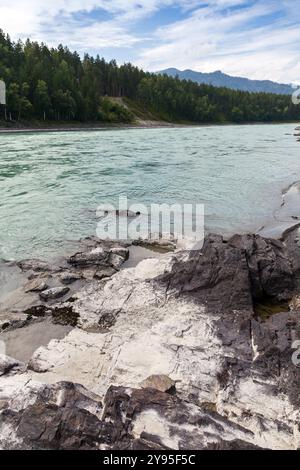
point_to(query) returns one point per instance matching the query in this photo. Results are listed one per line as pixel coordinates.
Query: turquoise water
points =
(51, 183)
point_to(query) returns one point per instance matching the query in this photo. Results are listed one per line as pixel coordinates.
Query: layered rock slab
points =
(188, 316)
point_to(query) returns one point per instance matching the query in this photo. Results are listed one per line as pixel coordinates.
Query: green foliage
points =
(41, 99)
(112, 111)
(186, 100)
(56, 84)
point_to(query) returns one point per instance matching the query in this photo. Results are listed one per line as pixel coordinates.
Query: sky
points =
(258, 39)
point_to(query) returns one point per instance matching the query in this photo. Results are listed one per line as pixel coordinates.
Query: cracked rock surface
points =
(168, 355)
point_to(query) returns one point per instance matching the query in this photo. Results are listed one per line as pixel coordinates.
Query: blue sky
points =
(254, 38)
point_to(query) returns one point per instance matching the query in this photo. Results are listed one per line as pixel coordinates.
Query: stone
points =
(63, 416)
(69, 277)
(66, 416)
(13, 320)
(216, 276)
(103, 256)
(36, 285)
(149, 419)
(270, 269)
(159, 245)
(54, 293)
(116, 260)
(162, 383)
(232, 275)
(104, 273)
(36, 265)
(10, 365)
(96, 256)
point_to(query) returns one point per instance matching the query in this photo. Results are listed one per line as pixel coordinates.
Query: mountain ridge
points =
(220, 79)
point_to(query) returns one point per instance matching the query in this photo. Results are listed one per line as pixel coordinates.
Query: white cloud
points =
(213, 34)
(214, 39)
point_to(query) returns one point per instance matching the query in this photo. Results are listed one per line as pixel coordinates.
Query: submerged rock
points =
(54, 293)
(37, 265)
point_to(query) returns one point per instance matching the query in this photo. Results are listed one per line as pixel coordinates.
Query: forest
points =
(56, 84)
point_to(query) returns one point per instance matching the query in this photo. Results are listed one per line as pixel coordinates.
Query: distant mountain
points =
(220, 79)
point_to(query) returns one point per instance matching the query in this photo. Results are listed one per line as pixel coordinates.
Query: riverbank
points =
(89, 127)
(40, 127)
(175, 343)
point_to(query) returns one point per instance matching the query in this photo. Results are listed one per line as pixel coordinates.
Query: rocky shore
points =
(184, 350)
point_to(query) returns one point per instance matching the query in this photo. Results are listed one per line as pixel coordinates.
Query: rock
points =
(116, 260)
(217, 276)
(10, 365)
(149, 419)
(270, 269)
(66, 416)
(160, 245)
(54, 293)
(231, 275)
(120, 251)
(94, 257)
(162, 383)
(117, 256)
(103, 212)
(63, 416)
(69, 277)
(291, 240)
(88, 274)
(187, 316)
(36, 285)
(13, 320)
(104, 273)
(100, 256)
(295, 303)
(36, 265)
(76, 358)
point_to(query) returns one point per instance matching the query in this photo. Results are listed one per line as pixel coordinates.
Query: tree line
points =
(56, 84)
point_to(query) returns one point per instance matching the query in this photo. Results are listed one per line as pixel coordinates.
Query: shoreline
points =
(283, 221)
(167, 338)
(287, 216)
(93, 127)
